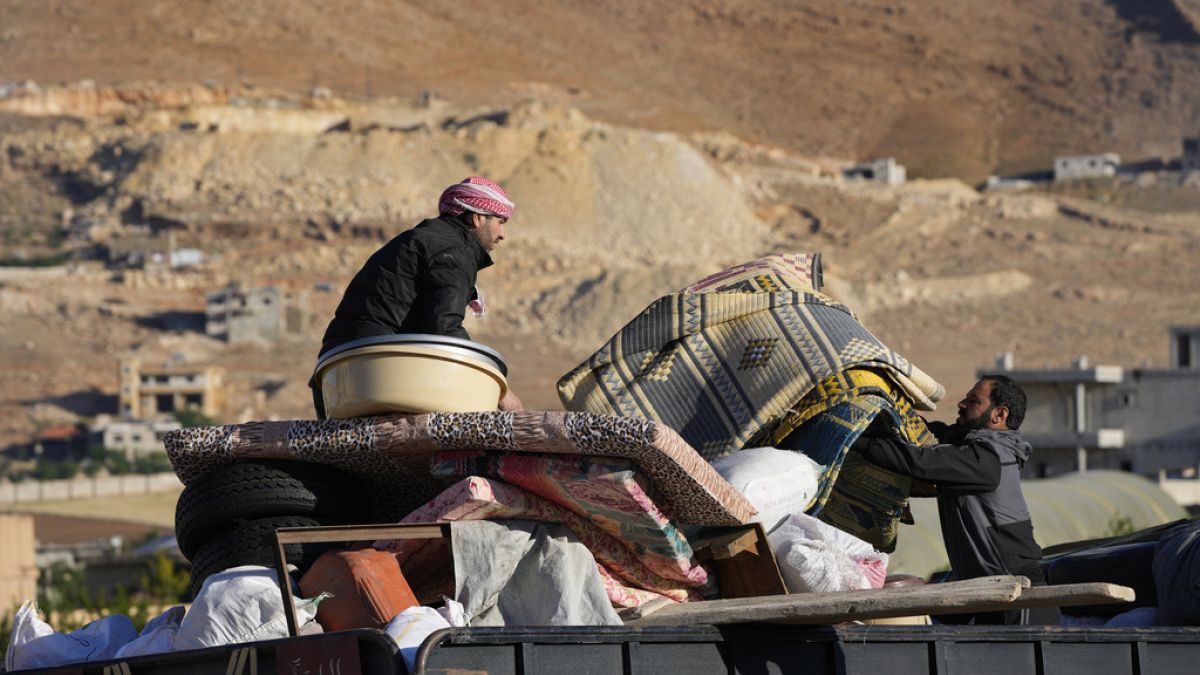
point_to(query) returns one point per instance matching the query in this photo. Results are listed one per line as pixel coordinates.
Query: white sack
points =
(158, 636)
(777, 482)
(815, 557)
(242, 604)
(34, 644)
(410, 627)
(27, 627)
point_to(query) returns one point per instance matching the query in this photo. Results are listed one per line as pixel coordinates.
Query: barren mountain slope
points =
(609, 218)
(951, 87)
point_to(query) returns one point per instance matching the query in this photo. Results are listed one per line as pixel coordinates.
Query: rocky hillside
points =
(298, 191)
(952, 88)
(645, 144)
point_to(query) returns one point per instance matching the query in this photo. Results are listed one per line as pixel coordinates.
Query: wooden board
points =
(1074, 595)
(823, 608)
(742, 560)
(987, 594)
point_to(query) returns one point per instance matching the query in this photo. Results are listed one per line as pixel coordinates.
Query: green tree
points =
(47, 470)
(62, 593)
(69, 469)
(156, 463)
(117, 463)
(165, 580)
(191, 417)
(1119, 525)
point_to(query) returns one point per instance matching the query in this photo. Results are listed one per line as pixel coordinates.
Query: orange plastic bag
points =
(367, 585)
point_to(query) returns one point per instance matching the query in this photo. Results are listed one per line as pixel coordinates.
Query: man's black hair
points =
(1006, 392)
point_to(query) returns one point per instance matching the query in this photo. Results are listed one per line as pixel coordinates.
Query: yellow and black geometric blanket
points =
(723, 360)
(852, 495)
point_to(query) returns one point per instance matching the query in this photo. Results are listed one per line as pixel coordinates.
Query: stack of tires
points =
(227, 517)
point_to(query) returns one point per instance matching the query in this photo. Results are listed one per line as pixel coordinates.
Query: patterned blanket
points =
(628, 579)
(722, 360)
(391, 455)
(609, 493)
(852, 495)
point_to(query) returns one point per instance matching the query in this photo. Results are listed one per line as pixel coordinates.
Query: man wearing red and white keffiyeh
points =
(423, 281)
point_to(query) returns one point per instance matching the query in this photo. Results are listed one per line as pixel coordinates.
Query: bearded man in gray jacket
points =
(976, 468)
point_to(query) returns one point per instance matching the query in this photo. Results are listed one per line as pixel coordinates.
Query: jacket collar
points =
(463, 225)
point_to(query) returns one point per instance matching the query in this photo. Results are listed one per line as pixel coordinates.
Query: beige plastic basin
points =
(394, 378)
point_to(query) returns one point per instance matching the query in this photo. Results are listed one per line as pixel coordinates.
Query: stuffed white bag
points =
(34, 644)
(777, 482)
(241, 604)
(815, 557)
(410, 627)
(157, 637)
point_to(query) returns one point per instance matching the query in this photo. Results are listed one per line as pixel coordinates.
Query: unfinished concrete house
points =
(886, 171)
(139, 247)
(1143, 420)
(147, 392)
(236, 314)
(1086, 166)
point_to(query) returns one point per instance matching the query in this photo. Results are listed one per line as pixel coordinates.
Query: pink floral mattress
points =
(630, 578)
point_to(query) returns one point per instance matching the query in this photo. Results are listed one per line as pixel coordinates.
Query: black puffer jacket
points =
(419, 282)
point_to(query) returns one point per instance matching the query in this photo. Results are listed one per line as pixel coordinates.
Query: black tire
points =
(253, 543)
(265, 488)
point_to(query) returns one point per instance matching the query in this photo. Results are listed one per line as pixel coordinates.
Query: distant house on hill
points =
(59, 442)
(886, 171)
(237, 314)
(136, 438)
(139, 247)
(1143, 420)
(1086, 166)
(149, 392)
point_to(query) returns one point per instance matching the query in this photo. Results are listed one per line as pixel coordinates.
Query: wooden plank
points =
(631, 614)
(726, 546)
(1072, 595)
(823, 608)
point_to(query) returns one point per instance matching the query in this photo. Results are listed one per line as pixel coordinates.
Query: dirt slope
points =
(609, 218)
(952, 88)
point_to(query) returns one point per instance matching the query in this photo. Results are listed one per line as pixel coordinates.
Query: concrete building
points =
(1086, 166)
(141, 247)
(137, 438)
(1185, 347)
(18, 566)
(235, 314)
(149, 392)
(1143, 420)
(135, 248)
(59, 442)
(1191, 154)
(886, 171)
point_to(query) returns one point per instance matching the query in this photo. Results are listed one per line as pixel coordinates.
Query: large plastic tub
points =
(763, 649)
(410, 374)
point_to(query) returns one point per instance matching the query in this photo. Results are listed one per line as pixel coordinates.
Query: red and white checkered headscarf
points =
(478, 195)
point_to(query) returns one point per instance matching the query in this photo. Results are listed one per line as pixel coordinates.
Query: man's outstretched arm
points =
(970, 467)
